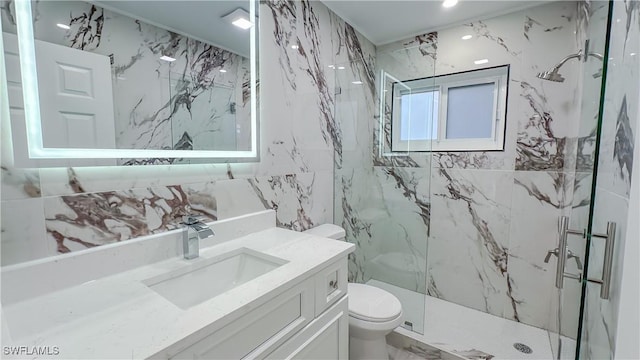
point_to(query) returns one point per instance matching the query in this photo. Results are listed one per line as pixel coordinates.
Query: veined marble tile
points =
(616, 154)
(20, 183)
(614, 177)
(301, 201)
(76, 222)
(355, 61)
(356, 211)
(68, 181)
(549, 110)
(591, 22)
(385, 212)
(412, 58)
(539, 199)
(469, 242)
(601, 315)
(23, 231)
(598, 340)
(499, 40)
(402, 233)
(401, 347)
(300, 102)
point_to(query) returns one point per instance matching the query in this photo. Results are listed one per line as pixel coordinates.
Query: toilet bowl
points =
(373, 312)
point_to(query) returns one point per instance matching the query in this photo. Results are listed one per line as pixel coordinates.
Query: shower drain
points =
(523, 348)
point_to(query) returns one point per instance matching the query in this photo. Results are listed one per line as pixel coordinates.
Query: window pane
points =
(418, 111)
(470, 111)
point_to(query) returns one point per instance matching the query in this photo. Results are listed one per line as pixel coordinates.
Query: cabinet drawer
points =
(331, 285)
(259, 331)
(326, 337)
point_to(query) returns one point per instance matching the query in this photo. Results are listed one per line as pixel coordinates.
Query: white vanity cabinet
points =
(307, 321)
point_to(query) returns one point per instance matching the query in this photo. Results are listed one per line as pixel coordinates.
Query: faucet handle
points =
(191, 219)
(549, 253)
(576, 258)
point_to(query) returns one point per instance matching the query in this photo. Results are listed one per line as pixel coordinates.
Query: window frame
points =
(498, 75)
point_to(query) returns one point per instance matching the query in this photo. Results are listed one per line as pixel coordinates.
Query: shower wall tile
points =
(405, 219)
(469, 241)
(483, 245)
(549, 110)
(601, 316)
(616, 151)
(618, 138)
(358, 207)
(388, 204)
(539, 199)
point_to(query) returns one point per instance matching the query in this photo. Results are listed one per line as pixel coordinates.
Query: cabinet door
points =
(327, 337)
(257, 332)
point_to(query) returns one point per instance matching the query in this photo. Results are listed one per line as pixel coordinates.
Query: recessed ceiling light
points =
(295, 47)
(240, 18)
(481, 61)
(167, 58)
(332, 66)
(63, 26)
(223, 70)
(449, 3)
(632, 54)
(467, 37)
(357, 82)
(243, 24)
(342, 67)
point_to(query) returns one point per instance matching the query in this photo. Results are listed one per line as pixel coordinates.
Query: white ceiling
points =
(386, 21)
(201, 20)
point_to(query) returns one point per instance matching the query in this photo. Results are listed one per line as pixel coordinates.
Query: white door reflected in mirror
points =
(105, 89)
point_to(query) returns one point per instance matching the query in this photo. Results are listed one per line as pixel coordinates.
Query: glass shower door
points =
(576, 224)
(382, 182)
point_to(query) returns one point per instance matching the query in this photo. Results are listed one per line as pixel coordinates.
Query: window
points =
(457, 112)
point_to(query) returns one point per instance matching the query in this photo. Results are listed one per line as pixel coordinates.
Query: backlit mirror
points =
(131, 82)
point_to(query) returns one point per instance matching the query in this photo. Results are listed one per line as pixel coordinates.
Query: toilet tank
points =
(330, 231)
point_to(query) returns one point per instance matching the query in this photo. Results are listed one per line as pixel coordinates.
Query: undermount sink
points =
(208, 278)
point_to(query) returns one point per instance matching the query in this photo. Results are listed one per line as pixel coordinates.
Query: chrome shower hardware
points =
(563, 253)
(554, 75)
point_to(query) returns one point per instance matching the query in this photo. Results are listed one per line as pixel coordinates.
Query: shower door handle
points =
(605, 281)
(563, 251)
(563, 231)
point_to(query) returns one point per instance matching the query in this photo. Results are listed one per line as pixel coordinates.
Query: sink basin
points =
(208, 278)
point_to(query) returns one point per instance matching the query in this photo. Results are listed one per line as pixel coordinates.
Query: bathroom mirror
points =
(131, 82)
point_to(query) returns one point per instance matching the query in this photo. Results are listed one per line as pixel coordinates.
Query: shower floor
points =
(456, 328)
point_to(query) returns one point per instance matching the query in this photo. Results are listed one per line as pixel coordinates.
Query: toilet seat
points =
(372, 304)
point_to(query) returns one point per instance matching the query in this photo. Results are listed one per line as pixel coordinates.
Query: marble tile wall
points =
(483, 221)
(49, 211)
(615, 171)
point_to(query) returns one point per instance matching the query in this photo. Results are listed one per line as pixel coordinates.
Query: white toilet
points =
(373, 312)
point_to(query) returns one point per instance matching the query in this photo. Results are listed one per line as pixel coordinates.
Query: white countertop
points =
(118, 316)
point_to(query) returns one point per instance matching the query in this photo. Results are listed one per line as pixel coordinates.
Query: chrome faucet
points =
(194, 231)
